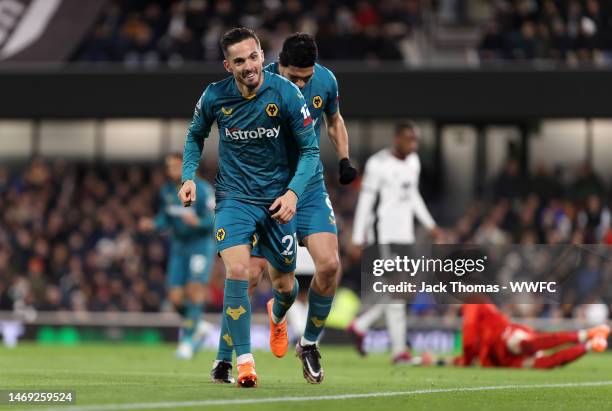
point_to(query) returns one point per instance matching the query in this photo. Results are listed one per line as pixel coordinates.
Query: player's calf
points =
(556, 359)
(257, 266)
(237, 312)
(279, 339)
(285, 291)
(323, 247)
(319, 307)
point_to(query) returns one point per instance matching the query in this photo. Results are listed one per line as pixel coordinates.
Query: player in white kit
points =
(388, 203)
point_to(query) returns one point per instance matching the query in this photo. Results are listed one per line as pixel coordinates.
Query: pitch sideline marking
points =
(204, 403)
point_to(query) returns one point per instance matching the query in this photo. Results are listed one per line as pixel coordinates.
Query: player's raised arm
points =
(338, 135)
(194, 144)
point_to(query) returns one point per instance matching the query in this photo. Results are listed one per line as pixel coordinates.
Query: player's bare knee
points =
(327, 269)
(283, 283)
(237, 271)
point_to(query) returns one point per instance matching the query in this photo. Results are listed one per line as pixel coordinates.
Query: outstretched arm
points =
(194, 145)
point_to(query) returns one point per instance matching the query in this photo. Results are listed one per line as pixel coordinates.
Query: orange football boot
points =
(600, 330)
(599, 344)
(247, 377)
(279, 340)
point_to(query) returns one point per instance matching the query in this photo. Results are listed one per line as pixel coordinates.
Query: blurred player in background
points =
(192, 252)
(388, 203)
(316, 222)
(491, 339)
(261, 118)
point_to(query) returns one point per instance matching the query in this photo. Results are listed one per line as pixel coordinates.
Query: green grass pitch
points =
(113, 377)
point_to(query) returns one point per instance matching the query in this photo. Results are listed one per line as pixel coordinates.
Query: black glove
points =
(348, 172)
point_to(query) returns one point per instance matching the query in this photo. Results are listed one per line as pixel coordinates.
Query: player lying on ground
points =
(316, 222)
(490, 339)
(260, 116)
(192, 253)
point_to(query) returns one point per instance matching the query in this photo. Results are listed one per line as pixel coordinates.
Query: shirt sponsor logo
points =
(261, 132)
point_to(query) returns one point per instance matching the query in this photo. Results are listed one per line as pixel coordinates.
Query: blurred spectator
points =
(571, 31)
(177, 31)
(509, 184)
(587, 184)
(68, 239)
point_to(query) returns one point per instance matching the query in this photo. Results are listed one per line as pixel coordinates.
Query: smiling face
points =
(299, 76)
(245, 61)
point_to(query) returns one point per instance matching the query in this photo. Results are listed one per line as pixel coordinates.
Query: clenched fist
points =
(283, 208)
(187, 193)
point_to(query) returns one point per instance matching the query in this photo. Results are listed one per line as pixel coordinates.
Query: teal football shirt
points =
(254, 135)
(321, 95)
(171, 212)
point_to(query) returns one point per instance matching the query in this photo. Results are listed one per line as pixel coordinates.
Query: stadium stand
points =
(69, 238)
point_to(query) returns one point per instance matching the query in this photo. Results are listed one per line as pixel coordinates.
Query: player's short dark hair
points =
(299, 50)
(402, 125)
(236, 35)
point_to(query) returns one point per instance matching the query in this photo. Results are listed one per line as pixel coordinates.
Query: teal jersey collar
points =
(264, 85)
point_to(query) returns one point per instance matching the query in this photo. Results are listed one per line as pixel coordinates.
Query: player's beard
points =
(250, 78)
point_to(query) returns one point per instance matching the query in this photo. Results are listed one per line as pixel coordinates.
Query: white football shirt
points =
(390, 200)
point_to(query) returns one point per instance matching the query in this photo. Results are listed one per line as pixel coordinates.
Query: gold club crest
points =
(235, 313)
(272, 110)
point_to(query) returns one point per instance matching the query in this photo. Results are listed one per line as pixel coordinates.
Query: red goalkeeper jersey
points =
(483, 326)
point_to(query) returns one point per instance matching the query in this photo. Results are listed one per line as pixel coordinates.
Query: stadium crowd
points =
(69, 237)
(172, 32)
(572, 31)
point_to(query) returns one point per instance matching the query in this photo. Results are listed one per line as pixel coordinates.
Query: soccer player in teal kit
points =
(258, 185)
(192, 252)
(316, 223)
